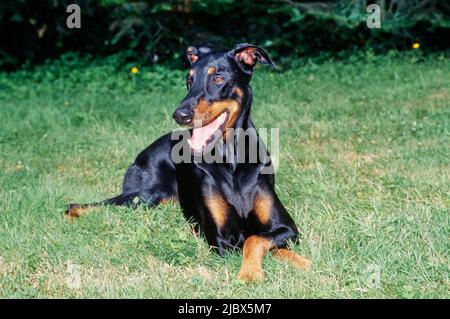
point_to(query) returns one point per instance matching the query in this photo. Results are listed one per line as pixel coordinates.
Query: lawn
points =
(364, 171)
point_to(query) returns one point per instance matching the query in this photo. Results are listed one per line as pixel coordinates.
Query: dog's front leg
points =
(275, 229)
(255, 247)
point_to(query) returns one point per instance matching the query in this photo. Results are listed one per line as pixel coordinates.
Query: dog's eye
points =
(218, 79)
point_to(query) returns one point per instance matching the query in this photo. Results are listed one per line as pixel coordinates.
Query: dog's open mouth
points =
(203, 136)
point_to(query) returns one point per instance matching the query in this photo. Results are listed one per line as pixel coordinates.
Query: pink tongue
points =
(202, 134)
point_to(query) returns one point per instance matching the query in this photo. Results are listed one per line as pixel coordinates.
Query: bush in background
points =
(159, 31)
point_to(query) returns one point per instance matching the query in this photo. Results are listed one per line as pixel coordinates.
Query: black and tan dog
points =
(233, 203)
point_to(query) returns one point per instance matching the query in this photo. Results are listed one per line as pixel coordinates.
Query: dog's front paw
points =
(288, 255)
(304, 263)
(251, 274)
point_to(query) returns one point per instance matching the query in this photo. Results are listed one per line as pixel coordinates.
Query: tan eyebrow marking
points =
(211, 70)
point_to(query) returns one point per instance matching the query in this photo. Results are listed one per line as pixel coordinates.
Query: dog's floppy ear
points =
(194, 53)
(246, 55)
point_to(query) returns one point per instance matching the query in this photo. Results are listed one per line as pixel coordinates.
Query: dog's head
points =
(217, 86)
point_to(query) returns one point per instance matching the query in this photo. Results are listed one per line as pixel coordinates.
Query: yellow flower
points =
(134, 70)
(416, 45)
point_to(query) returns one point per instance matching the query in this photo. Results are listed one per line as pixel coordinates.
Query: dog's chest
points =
(237, 188)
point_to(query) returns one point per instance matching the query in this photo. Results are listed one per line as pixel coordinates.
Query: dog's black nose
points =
(183, 116)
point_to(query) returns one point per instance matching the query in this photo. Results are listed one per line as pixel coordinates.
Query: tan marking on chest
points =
(263, 208)
(218, 208)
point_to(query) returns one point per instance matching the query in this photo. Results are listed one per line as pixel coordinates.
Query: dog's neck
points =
(244, 120)
(244, 127)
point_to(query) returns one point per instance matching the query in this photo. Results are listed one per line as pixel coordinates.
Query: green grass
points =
(364, 172)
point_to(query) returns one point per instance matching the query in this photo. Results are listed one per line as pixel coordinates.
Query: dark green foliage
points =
(160, 30)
